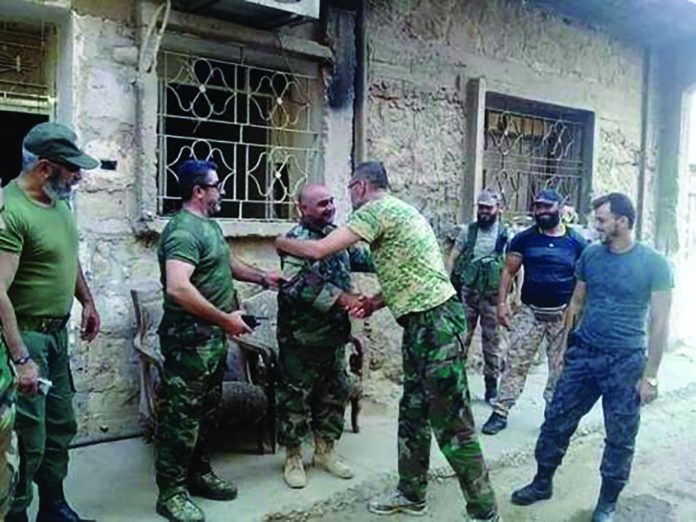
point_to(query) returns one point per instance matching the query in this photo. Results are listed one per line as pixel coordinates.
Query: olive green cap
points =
(53, 141)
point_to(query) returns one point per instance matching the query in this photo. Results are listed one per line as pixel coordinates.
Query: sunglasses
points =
(217, 185)
(73, 169)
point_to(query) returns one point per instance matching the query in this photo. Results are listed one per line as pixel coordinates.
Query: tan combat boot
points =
(327, 459)
(293, 471)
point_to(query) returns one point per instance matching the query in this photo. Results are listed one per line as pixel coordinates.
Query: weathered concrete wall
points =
(422, 54)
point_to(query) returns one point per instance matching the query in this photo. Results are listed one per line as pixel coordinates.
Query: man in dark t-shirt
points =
(548, 252)
(618, 282)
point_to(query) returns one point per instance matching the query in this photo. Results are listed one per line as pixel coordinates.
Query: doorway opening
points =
(13, 127)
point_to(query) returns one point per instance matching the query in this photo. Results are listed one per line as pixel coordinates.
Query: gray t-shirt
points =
(485, 241)
(619, 288)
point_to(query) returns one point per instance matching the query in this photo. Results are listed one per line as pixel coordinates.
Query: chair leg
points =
(354, 413)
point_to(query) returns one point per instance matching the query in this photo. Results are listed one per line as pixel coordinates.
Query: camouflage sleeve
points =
(308, 285)
(361, 259)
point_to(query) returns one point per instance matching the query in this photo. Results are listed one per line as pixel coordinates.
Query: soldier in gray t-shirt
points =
(617, 282)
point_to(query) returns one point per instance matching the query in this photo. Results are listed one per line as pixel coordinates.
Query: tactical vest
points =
(482, 276)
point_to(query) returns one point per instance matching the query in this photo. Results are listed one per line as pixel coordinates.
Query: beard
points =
(214, 207)
(547, 220)
(55, 188)
(486, 221)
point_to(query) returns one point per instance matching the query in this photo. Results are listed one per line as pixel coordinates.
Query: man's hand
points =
(91, 323)
(274, 279)
(647, 389)
(234, 324)
(349, 301)
(364, 308)
(503, 313)
(28, 378)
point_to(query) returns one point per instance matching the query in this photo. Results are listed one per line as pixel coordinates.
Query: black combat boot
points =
(495, 423)
(606, 504)
(17, 516)
(491, 389)
(54, 508)
(541, 488)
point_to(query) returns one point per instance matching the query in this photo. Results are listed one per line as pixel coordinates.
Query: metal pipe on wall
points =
(359, 111)
(644, 119)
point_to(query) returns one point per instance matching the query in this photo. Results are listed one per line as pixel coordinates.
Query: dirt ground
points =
(662, 487)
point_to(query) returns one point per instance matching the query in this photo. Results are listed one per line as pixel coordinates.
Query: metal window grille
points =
(25, 82)
(529, 150)
(257, 124)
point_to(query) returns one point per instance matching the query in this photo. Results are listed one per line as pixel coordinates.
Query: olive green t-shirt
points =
(199, 242)
(46, 241)
(406, 254)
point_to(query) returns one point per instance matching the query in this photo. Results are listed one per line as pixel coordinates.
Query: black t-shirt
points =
(549, 265)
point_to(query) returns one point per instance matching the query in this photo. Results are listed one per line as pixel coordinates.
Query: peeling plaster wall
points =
(422, 55)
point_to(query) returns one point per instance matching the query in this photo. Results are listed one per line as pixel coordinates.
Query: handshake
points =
(360, 306)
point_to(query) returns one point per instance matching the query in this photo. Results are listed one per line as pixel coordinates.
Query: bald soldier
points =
(313, 329)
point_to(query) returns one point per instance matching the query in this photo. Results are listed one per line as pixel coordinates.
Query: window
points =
(258, 124)
(529, 146)
(26, 89)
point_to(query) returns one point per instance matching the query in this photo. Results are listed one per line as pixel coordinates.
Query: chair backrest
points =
(147, 302)
(263, 304)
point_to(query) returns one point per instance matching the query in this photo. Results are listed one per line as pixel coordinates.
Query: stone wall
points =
(422, 55)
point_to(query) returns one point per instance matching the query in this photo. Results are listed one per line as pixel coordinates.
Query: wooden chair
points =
(249, 387)
(248, 394)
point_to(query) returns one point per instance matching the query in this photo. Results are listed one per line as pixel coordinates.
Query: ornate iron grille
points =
(24, 74)
(525, 152)
(257, 124)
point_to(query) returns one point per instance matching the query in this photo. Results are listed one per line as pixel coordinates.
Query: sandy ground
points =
(662, 486)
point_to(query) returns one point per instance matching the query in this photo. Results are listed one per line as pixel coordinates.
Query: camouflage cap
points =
(488, 197)
(53, 141)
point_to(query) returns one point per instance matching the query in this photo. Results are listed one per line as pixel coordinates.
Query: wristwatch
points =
(22, 360)
(651, 381)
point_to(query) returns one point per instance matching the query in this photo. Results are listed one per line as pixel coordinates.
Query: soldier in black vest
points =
(475, 264)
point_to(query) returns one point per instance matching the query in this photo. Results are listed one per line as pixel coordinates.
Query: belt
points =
(42, 324)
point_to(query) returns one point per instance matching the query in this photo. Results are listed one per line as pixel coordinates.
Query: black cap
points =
(549, 196)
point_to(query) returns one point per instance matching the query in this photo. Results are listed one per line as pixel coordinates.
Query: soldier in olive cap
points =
(40, 274)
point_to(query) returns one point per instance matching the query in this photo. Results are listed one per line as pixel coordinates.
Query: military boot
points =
(293, 471)
(17, 516)
(54, 508)
(179, 508)
(209, 485)
(541, 488)
(326, 458)
(491, 389)
(495, 423)
(606, 504)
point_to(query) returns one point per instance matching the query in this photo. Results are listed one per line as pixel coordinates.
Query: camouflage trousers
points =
(528, 334)
(9, 456)
(189, 395)
(436, 397)
(589, 374)
(312, 393)
(482, 308)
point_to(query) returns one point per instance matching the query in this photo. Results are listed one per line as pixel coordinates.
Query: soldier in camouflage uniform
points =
(313, 328)
(196, 270)
(475, 264)
(9, 458)
(416, 288)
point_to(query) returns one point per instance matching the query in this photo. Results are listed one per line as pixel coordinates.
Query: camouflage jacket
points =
(307, 310)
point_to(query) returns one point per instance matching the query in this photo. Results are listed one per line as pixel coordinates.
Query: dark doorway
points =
(13, 127)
